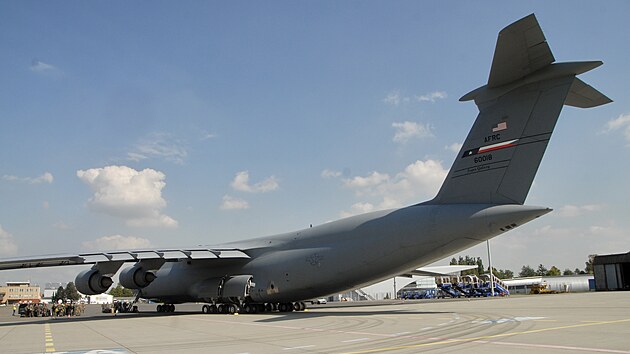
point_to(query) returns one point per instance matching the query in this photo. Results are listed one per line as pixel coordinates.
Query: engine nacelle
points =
(136, 277)
(237, 286)
(92, 282)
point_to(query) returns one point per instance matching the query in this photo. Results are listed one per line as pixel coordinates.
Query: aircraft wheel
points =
(284, 307)
(247, 308)
(213, 309)
(232, 309)
(205, 309)
(268, 307)
(159, 308)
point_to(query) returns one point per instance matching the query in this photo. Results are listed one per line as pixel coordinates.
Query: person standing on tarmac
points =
(14, 308)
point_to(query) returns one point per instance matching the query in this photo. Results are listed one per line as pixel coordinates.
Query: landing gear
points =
(166, 308)
(252, 308)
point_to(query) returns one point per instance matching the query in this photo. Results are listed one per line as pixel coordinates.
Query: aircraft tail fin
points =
(518, 110)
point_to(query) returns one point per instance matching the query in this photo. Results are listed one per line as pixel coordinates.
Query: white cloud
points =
(454, 147)
(432, 97)
(409, 130)
(208, 136)
(117, 242)
(393, 98)
(620, 123)
(159, 220)
(233, 203)
(330, 174)
(38, 66)
(123, 192)
(7, 245)
(47, 177)
(358, 208)
(241, 183)
(159, 145)
(372, 180)
(571, 211)
(420, 179)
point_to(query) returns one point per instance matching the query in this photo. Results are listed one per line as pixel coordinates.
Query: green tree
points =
(527, 271)
(480, 267)
(120, 291)
(60, 294)
(506, 274)
(542, 270)
(71, 292)
(567, 272)
(578, 271)
(553, 272)
(589, 264)
(453, 261)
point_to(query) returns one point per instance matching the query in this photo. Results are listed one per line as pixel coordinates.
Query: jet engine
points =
(92, 282)
(136, 277)
(237, 286)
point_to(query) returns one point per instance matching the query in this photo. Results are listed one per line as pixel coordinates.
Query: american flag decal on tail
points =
(499, 127)
(488, 148)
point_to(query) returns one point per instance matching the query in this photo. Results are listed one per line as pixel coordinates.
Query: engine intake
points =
(92, 282)
(136, 277)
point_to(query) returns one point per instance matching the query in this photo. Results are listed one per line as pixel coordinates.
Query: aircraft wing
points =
(170, 254)
(438, 271)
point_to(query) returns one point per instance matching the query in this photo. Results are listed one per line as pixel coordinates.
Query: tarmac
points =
(555, 323)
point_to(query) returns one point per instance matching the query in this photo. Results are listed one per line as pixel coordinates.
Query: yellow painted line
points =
(50, 346)
(464, 340)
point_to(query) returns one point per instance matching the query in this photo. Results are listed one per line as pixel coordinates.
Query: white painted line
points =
(355, 340)
(401, 333)
(548, 346)
(302, 347)
(426, 328)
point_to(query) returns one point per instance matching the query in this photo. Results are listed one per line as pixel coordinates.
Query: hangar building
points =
(612, 272)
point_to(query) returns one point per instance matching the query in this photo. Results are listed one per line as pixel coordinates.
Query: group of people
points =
(43, 310)
(119, 307)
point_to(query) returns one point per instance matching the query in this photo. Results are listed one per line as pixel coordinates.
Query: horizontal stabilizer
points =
(439, 270)
(582, 95)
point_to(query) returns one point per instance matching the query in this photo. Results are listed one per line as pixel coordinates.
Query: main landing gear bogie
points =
(252, 308)
(166, 308)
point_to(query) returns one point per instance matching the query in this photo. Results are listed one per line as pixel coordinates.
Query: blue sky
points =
(151, 124)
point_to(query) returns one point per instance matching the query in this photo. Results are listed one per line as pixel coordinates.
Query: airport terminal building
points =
(19, 291)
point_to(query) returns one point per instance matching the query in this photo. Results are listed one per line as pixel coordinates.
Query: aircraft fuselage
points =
(347, 253)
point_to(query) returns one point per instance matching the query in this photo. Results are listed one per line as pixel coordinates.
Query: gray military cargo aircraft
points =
(482, 197)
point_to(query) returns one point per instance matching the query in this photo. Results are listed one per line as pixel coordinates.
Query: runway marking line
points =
(300, 347)
(481, 338)
(50, 346)
(551, 346)
(355, 340)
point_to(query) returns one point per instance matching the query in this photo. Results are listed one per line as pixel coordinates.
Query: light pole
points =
(490, 263)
